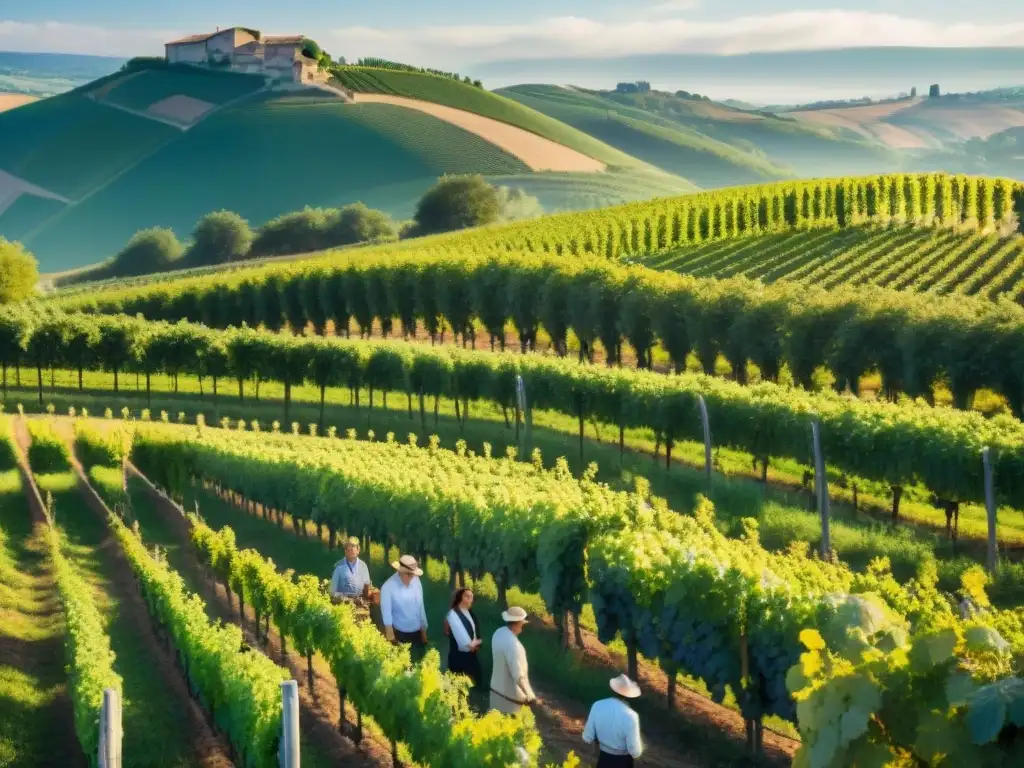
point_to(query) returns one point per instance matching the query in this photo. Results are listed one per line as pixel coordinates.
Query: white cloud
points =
(566, 36)
(56, 37)
(670, 8)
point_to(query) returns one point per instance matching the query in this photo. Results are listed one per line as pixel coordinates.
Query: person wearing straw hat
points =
(401, 606)
(351, 578)
(615, 726)
(510, 679)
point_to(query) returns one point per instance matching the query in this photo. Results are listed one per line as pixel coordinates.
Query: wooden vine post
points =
(110, 730)
(754, 726)
(288, 754)
(524, 411)
(706, 423)
(821, 489)
(990, 508)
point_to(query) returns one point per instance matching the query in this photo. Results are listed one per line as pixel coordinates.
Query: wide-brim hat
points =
(514, 615)
(407, 564)
(625, 687)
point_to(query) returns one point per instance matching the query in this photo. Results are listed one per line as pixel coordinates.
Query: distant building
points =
(245, 50)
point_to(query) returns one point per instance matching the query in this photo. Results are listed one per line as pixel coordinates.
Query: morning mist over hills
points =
(785, 77)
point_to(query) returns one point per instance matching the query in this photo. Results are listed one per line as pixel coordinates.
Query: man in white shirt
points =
(510, 679)
(351, 577)
(615, 726)
(401, 607)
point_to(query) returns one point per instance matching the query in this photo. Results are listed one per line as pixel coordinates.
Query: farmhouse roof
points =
(206, 36)
(283, 40)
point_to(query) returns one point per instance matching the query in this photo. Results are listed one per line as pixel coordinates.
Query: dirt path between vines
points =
(209, 750)
(320, 711)
(32, 647)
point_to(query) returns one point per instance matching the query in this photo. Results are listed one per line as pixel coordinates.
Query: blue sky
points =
(462, 32)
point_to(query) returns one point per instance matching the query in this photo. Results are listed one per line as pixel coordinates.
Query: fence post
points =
(706, 422)
(990, 508)
(110, 730)
(821, 488)
(527, 414)
(289, 751)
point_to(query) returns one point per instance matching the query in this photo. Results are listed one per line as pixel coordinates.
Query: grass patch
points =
(36, 723)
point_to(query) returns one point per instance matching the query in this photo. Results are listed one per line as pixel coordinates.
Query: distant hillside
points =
(710, 143)
(80, 173)
(784, 77)
(926, 123)
(47, 74)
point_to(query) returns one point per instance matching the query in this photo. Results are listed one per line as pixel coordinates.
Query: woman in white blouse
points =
(464, 637)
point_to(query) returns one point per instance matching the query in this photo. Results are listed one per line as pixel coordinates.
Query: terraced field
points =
(901, 257)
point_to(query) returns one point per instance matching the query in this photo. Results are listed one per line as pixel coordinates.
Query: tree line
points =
(897, 444)
(224, 237)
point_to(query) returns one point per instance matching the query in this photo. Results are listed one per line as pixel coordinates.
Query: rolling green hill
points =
(452, 93)
(265, 157)
(736, 146)
(263, 154)
(71, 145)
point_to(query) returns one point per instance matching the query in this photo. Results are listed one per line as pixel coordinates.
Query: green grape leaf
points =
(796, 680)
(959, 687)
(936, 737)
(825, 746)
(986, 714)
(853, 724)
(984, 639)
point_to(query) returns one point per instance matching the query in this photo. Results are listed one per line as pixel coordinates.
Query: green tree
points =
(457, 202)
(357, 224)
(149, 251)
(18, 272)
(218, 238)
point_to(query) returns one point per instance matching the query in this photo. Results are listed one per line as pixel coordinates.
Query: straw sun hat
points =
(625, 687)
(407, 564)
(514, 614)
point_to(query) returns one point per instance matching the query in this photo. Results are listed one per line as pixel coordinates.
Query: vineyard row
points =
(897, 444)
(914, 341)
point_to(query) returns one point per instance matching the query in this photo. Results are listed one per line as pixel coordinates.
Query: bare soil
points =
(12, 100)
(539, 153)
(320, 709)
(182, 109)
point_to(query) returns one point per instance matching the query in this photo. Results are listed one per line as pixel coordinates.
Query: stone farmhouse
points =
(246, 50)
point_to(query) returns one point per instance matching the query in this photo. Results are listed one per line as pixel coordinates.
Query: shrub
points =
(457, 202)
(297, 232)
(47, 452)
(218, 238)
(150, 250)
(358, 224)
(18, 272)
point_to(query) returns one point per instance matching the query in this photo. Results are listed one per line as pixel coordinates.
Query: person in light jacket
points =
(401, 607)
(615, 726)
(510, 679)
(351, 577)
